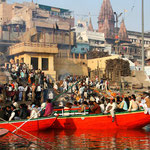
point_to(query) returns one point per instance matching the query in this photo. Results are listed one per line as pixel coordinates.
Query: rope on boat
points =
(26, 132)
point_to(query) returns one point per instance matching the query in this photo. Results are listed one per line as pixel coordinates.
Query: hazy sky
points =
(81, 9)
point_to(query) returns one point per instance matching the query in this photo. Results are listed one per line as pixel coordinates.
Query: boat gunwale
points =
(73, 116)
(99, 115)
(23, 120)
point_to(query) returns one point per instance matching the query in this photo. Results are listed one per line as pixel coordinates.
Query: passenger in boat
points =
(96, 109)
(102, 106)
(75, 105)
(23, 113)
(48, 109)
(83, 106)
(2, 114)
(110, 108)
(14, 114)
(43, 106)
(8, 112)
(34, 113)
(133, 104)
(122, 106)
(66, 109)
(91, 105)
(147, 102)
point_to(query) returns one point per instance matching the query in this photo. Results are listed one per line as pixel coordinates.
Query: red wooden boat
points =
(31, 125)
(123, 120)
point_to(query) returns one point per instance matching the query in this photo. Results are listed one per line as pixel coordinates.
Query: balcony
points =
(31, 47)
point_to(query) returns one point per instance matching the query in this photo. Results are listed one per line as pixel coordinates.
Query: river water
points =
(78, 139)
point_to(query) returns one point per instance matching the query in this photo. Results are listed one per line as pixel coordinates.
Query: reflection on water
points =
(80, 139)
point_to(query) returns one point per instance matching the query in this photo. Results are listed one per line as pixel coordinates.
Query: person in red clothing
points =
(48, 109)
(96, 109)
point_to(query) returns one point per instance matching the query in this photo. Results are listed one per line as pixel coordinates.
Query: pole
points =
(70, 39)
(142, 35)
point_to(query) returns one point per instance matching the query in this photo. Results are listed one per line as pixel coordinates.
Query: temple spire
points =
(123, 36)
(106, 12)
(90, 27)
(106, 29)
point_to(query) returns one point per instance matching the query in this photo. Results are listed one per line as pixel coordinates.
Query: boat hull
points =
(126, 120)
(32, 125)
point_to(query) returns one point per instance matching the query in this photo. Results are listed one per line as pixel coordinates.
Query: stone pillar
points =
(40, 62)
(73, 55)
(85, 56)
(79, 56)
(68, 54)
(1, 33)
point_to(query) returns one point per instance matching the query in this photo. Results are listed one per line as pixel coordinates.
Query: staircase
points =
(3, 74)
(3, 78)
(142, 78)
(69, 66)
(139, 80)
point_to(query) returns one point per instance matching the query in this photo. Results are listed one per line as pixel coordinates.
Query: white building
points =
(96, 40)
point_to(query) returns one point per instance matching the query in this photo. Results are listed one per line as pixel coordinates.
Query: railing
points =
(71, 111)
(32, 44)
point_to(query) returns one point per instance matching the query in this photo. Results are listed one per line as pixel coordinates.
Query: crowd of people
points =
(80, 92)
(85, 94)
(17, 111)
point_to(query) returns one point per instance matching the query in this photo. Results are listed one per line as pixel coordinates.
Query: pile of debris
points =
(96, 54)
(115, 68)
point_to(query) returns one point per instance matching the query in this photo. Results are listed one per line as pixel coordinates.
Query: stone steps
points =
(3, 78)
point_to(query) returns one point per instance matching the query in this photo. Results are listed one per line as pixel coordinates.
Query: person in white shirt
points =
(14, 114)
(110, 108)
(50, 95)
(38, 92)
(21, 89)
(133, 104)
(65, 85)
(34, 113)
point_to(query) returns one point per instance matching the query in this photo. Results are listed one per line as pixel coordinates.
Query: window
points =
(34, 63)
(22, 60)
(44, 63)
(17, 61)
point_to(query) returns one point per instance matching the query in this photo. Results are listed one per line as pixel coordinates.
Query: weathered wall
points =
(100, 62)
(27, 60)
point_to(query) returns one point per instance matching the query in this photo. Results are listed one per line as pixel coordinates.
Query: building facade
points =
(18, 18)
(36, 56)
(86, 34)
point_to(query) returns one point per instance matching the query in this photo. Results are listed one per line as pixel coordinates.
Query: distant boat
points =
(123, 120)
(32, 125)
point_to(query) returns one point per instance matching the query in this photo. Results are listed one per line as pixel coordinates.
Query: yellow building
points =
(38, 55)
(100, 63)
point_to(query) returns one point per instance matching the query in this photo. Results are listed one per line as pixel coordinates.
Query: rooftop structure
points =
(90, 27)
(38, 55)
(123, 36)
(106, 18)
